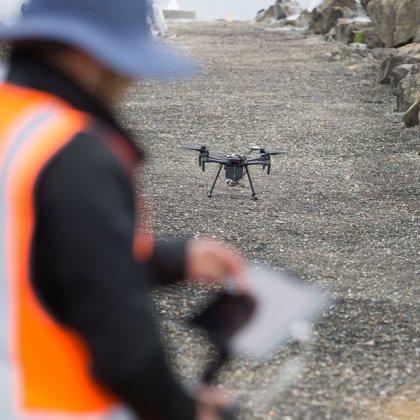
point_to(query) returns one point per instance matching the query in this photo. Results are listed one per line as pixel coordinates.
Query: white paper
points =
(285, 309)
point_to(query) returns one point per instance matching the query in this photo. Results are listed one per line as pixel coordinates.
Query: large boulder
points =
(411, 50)
(402, 71)
(269, 14)
(348, 31)
(395, 21)
(390, 62)
(408, 92)
(382, 53)
(412, 116)
(286, 8)
(280, 10)
(343, 31)
(326, 15)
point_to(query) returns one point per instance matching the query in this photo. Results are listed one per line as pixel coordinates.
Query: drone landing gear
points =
(254, 195)
(210, 193)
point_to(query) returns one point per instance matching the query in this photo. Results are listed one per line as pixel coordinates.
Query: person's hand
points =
(210, 402)
(213, 261)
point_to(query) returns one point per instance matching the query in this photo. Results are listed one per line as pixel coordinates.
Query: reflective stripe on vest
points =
(44, 367)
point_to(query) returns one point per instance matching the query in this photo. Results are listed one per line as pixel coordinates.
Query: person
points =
(78, 335)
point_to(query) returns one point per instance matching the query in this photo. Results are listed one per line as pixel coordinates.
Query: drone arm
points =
(212, 159)
(266, 163)
(257, 162)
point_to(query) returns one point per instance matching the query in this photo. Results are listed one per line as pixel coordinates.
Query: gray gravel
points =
(341, 207)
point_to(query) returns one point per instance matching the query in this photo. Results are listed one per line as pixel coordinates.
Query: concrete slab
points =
(179, 14)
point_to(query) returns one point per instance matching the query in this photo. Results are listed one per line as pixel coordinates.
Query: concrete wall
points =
(178, 14)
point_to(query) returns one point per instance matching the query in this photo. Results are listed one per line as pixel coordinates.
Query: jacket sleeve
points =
(86, 277)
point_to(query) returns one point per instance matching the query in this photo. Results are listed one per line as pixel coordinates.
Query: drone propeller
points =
(270, 151)
(204, 152)
(196, 147)
(265, 150)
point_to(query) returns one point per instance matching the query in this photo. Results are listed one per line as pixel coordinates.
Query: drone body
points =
(236, 166)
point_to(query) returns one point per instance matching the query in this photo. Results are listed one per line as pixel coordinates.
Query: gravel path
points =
(341, 207)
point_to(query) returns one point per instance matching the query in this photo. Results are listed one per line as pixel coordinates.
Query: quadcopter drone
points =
(236, 166)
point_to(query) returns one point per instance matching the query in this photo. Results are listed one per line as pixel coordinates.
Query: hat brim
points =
(126, 54)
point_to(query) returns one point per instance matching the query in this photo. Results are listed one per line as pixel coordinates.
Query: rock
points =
(267, 14)
(382, 53)
(259, 15)
(287, 8)
(402, 71)
(395, 118)
(371, 38)
(299, 21)
(325, 16)
(281, 10)
(412, 50)
(303, 20)
(349, 31)
(412, 116)
(408, 92)
(364, 3)
(389, 63)
(395, 21)
(342, 32)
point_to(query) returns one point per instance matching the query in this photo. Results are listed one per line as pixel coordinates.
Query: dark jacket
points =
(83, 269)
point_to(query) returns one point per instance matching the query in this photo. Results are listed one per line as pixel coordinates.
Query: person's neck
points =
(96, 80)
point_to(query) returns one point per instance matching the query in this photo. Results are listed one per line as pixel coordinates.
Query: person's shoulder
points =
(99, 143)
(83, 171)
(83, 155)
(94, 152)
(87, 147)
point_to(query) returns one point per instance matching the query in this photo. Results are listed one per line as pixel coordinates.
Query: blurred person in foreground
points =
(78, 338)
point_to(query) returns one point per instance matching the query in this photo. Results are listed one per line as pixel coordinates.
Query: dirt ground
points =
(341, 207)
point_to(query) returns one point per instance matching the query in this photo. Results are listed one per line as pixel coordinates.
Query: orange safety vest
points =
(44, 367)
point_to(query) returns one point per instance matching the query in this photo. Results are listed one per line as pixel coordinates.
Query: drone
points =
(236, 166)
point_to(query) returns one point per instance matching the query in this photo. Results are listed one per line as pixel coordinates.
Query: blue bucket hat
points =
(114, 32)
